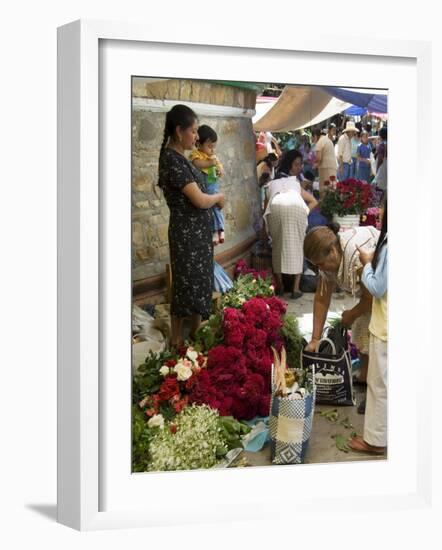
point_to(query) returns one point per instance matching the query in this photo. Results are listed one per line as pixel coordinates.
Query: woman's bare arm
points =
(200, 199)
(309, 199)
(321, 306)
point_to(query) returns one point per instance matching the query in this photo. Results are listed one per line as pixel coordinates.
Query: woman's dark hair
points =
(382, 237)
(206, 133)
(271, 157)
(309, 175)
(317, 132)
(383, 133)
(179, 115)
(286, 162)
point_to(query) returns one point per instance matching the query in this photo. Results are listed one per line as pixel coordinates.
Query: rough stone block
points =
(249, 151)
(147, 130)
(172, 89)
(144, 254)
(162, 232)
(137, 235)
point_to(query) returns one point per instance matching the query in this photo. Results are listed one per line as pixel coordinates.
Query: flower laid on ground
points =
(351, 196)
(195, 441)
(237, 379)
(245, 287)
(160, 389)
(241, 268)
(157, 421)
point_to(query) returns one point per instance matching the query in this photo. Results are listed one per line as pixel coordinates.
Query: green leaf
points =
(341, 443)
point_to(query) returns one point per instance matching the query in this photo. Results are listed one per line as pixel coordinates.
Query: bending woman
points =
(285, 215)
(190, 223)
(336, 257)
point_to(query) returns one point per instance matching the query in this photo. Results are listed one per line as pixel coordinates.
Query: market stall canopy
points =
(295, 108)
(372, 100)
(303, 106)
(362, 111)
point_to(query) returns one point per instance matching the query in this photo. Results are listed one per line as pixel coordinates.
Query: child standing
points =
(374, 278)
(204, 158)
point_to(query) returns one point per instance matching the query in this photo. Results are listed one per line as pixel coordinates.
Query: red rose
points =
(168, 389)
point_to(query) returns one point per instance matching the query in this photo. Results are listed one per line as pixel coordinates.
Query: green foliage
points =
(246, 287)
(334, 322)
(231, 431)
(293, 341)
(141, 437)
(209, 334)
(147, 379)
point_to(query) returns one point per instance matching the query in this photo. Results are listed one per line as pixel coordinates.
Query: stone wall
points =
(235, 149)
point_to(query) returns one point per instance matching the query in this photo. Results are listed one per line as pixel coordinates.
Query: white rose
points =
(182, 371)
(272, 287)
(192, 355)
(156, 421)
(164, 370)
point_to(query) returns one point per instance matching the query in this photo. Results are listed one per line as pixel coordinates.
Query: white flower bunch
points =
(194, 444)
(184, 367)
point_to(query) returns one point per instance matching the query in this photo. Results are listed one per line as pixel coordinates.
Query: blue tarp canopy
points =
(370, 101)
(355, 111)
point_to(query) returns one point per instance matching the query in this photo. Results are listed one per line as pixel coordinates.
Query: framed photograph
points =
(116, 82)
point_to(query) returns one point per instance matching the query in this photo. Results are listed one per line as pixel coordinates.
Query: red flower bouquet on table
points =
(351, 196)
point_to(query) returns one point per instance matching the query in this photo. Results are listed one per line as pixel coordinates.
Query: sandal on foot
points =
(359, 445)
(296, 294)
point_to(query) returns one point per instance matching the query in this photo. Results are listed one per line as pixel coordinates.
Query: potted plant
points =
(345, 201)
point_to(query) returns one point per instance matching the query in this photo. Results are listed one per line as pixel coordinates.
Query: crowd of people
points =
(292, 181)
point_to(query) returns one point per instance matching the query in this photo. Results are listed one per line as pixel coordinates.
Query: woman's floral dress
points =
(190, 237)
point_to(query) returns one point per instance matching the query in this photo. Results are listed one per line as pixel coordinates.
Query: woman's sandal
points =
(358, 444)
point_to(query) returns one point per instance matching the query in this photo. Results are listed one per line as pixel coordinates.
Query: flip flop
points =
(359, 445)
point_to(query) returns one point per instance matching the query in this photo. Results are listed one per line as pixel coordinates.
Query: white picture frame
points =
(85, 456)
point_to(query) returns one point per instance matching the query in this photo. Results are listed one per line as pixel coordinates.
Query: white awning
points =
(297, 107)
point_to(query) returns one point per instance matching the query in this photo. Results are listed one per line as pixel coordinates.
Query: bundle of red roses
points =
(237, 378)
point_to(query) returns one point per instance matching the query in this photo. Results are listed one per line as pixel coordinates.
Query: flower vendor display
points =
(350, 197)
(225, 374)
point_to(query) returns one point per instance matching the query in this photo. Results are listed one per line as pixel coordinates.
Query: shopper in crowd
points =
(344, 151)
(355, 142)
(265, 172)
(335, 257)
(375, 280)
(381, 160)
(190, 223)
(325, 160)
(286, 213)
(364, 163)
